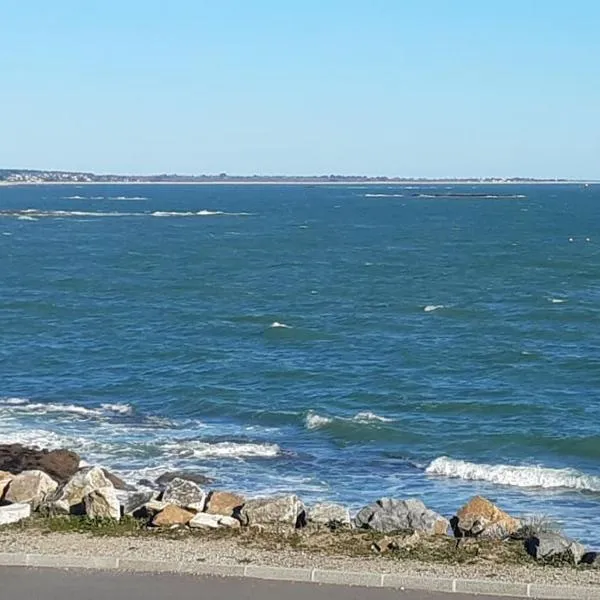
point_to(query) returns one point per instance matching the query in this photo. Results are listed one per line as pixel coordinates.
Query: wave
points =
(315, 421)
(384, 195)
(556, 300)
(278, 325)
(199, 449)
(34, 213)
(517, 476)
(24, 405)
(432, 307)
(470, 195)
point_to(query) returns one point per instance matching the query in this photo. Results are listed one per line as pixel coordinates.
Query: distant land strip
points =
(32, 176)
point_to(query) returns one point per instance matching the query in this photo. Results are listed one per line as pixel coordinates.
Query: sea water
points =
(340, 342)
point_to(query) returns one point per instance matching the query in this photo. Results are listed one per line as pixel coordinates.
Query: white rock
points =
(30, 486)
(103, 503)
(13, 513)
(327, 512)
(207, 521)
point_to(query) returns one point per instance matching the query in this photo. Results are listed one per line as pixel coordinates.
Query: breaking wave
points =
(432, 307)
(26, 406)
(315, 421)
(199, 449)
(34, 213)
(516, 476)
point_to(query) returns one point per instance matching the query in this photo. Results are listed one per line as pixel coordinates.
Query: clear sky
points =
(396, 87)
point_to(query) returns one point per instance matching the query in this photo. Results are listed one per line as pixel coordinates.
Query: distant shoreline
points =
(396, 183)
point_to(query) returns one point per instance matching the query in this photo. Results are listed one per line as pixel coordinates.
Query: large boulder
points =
(197, 478)
(184, 493)
(31, 487)
(481, 518)
(133, 502)
(223, 503)
(388, 515)
(552, 546)
(283, 510)
(327, 514)
(102, 503)
(61, 465)
(171, 516)
(117, 482)
(208, 521)
(69, 499)
(5, 479)
(13, 513)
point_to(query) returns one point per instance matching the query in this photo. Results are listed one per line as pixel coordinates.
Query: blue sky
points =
(397, 87)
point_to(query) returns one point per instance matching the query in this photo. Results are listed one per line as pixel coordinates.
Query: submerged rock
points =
(223, 503)
(554, 546)
(184, 493)
(102, 503)
(61, 465)
(284, 510)
(172, 515)
(328, 513)
(31, 487)
(388, 515)
(481, 518)
(13, 513)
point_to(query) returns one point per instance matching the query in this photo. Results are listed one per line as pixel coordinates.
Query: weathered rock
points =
(184, 493)
(102, 503)
(197, 478)
(5, 479)
(388, 515)
(31, 487)
(61, 465)
(208, 521)
(284, 510)
(13, 513)
(223, 503)
(117, 482)
(132, 502)
(481, 518)
(554, 546)
(172, 515)
(69, 498)
(327, 513)
(384, 545)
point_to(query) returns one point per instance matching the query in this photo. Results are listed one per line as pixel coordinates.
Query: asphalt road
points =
(18, 583)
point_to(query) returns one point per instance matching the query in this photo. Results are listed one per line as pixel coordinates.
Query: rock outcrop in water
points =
(61, 465)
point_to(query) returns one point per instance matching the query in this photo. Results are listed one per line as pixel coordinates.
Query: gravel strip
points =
(229, 552)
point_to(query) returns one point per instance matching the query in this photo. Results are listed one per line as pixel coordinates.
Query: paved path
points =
(18, 583)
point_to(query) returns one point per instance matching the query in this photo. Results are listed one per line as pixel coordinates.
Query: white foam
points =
(120, 409)
(370, 417)
(557, 300)
(277, 325)
(384, 195)
(14, 401)
(122, 198)
(315, 421)
(199, 449)
(432, 307)
(24, 405)
(517, 476)
(26, 218)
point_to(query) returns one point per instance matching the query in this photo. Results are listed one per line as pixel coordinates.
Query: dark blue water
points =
(342, 342)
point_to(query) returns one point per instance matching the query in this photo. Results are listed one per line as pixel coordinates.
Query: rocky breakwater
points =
(36, 482)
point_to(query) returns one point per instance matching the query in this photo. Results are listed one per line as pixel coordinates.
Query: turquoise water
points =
(342, 342)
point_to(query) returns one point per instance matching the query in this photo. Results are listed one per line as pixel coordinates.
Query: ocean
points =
(341, 342)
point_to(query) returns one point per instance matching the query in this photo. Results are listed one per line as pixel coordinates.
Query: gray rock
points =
(132, 502)
(102, 503)
(327, 513)
(5, 479)
(197, 478)
(32, 487)
(69, 498)
(184, 493)
(206, 521)
(550, 545)
(284, 510)
(592, 559)
(388, 515)
(13, 513)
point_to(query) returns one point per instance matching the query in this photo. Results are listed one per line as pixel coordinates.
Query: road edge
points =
(364, 578)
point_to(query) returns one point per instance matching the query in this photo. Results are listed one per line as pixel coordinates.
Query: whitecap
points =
(120, 409)
(315, 421)
(557, 300)
(199, 449)
(277, 325)
(12, 401)
(432, 307)
(517, 476)
(370, 417)
(384, 195)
